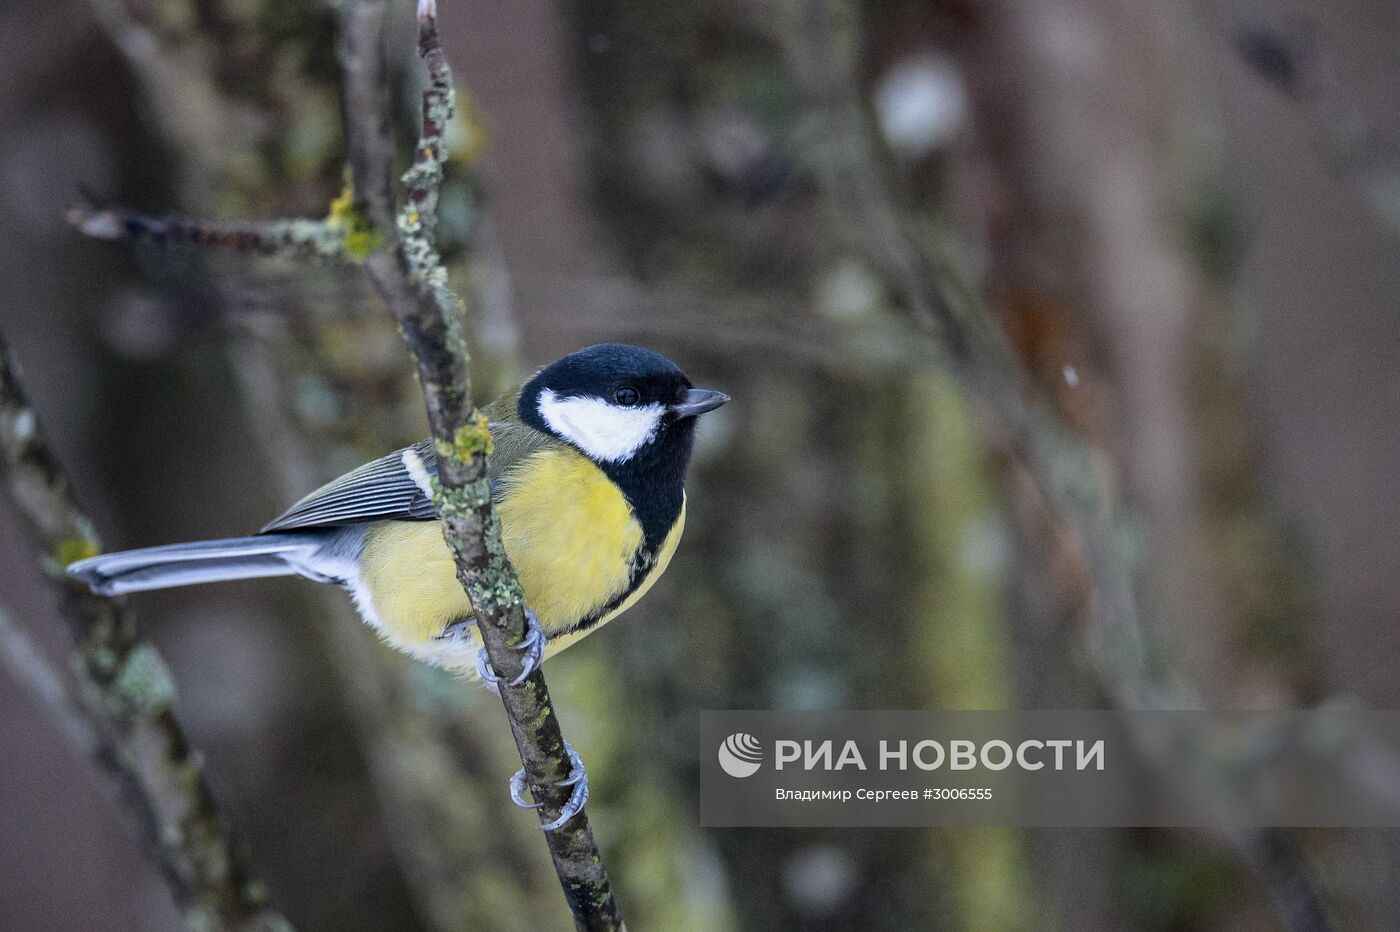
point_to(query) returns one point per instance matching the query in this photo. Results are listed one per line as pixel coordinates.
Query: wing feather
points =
(384, 490)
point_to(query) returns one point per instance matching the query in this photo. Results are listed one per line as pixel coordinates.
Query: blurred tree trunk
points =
(248, 99)
(649, 176)
(1110, 242)
(125, 373)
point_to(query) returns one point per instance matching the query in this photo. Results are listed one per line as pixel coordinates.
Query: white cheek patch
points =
(606, 432)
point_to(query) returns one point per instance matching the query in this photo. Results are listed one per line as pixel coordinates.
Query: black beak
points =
(698, 401)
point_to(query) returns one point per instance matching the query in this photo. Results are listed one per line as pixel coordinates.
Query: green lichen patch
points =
(540, 717)
(462, 502)
(357, 233)
(495, 591)
(468, 440)
(144, 686)
(74, 549)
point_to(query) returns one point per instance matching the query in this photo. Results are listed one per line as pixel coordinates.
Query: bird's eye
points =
(627, 395)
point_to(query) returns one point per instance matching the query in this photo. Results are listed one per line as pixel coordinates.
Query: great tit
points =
(588, 477)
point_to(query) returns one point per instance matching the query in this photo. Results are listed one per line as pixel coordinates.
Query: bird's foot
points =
(577, 778)
(533, 646)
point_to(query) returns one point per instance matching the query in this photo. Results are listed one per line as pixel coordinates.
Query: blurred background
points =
(1184, 216)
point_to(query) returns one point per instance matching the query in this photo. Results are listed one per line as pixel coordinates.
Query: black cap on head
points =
(632, 412)
(604, 370)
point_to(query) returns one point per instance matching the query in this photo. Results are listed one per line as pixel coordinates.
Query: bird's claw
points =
(577, 778)
(517, 790)
(533, 646)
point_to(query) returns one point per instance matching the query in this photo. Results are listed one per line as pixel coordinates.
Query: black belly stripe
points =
(653, 482)
(641, 568)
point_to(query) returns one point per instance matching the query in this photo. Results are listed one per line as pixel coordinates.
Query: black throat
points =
(653, 480)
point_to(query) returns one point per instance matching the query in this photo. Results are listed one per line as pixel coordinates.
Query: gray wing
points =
(383, 490)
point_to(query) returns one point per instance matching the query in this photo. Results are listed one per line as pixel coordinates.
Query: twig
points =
(434, 764)
(413, 282)
(126, 694)
(364, 95)
(343, 236)
(324, 240)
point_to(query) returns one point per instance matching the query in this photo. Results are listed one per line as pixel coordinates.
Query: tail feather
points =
(196, 562)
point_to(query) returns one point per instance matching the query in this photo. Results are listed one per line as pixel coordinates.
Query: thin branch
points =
(434, 763)
(126, 693)
(291, 237)
(413, 282)
(364, 93)
(323, 240)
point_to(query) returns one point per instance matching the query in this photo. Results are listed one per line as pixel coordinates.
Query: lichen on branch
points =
(400, 255)
(125, 695)
(414, 284)
(345, 235)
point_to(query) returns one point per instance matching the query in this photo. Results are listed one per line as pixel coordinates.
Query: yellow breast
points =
(567, 529)
(663, 560)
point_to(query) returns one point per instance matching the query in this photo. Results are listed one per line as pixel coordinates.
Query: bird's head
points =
(614, 402)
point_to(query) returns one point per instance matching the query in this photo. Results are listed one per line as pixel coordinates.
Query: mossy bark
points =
(413, 282)
(127, 694)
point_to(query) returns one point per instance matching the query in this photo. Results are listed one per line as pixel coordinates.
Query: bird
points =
(587, 476)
